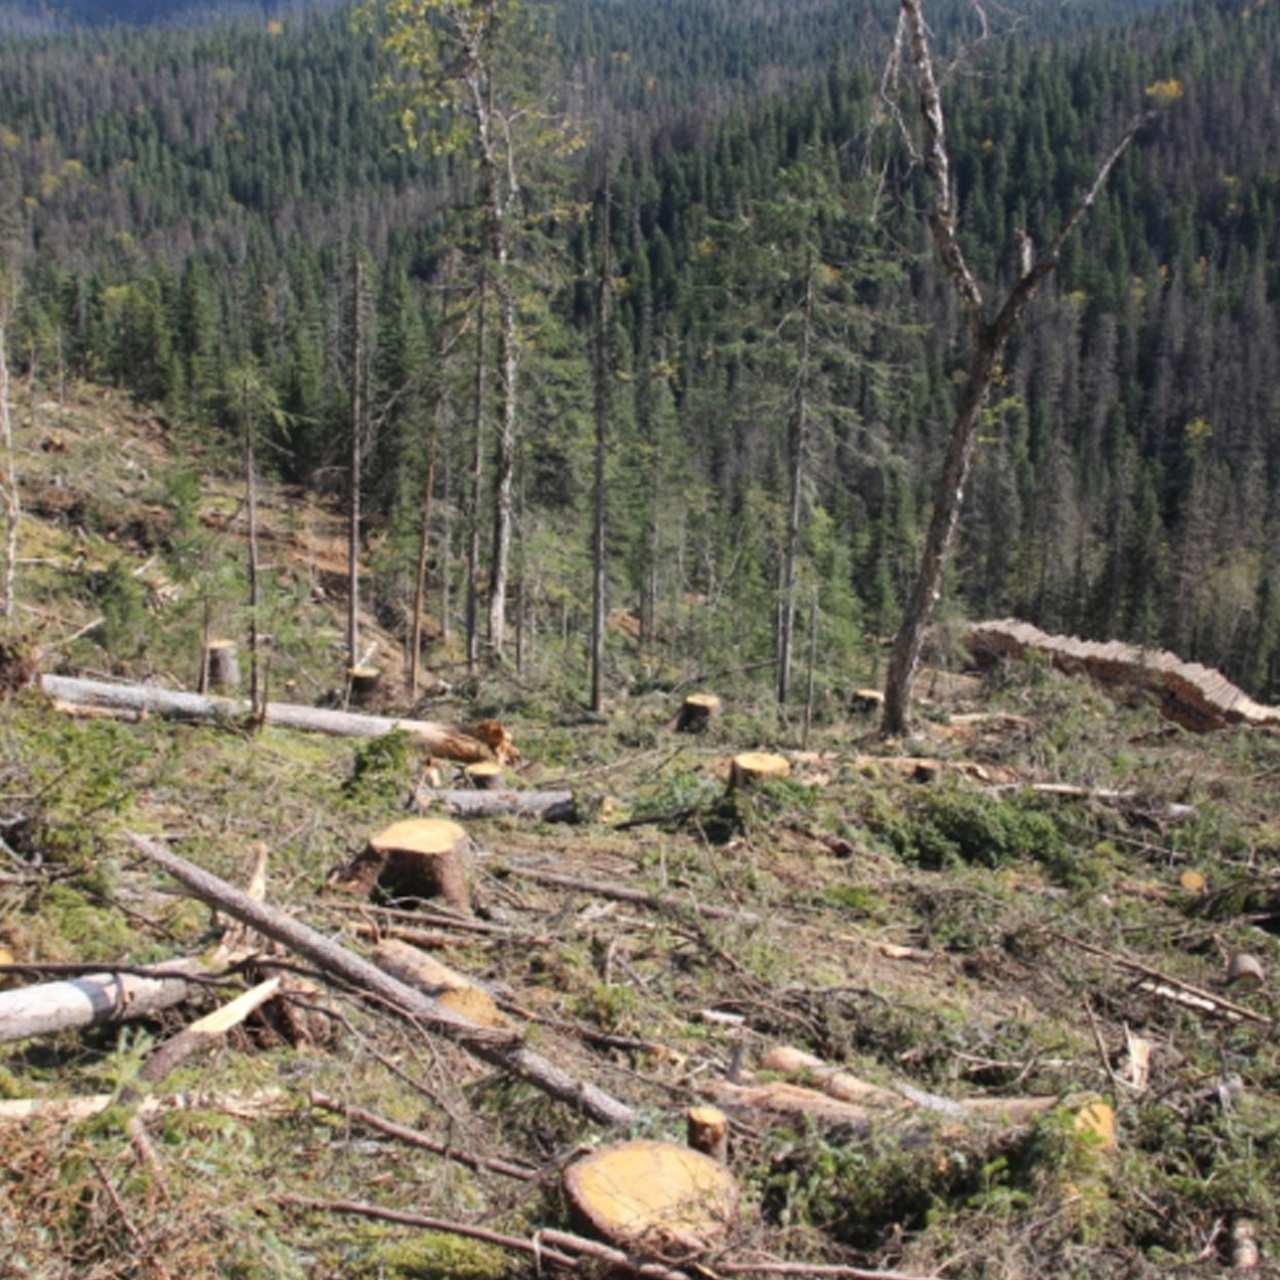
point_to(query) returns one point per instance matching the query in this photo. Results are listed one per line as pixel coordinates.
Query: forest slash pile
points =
(998, 1000)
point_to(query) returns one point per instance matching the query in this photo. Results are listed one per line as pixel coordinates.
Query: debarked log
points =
(439, 739)
(539, 806)
(499, 1048)
(50, 1007)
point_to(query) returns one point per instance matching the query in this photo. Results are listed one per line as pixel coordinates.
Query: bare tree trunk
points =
(988, 343)
(504, 458)
(799, 447)
(357, 465)
(256, 697)
(477, 481)
(420, 576)
(603, 409)
(12, 506)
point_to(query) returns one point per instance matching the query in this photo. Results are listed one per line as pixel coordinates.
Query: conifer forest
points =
(712, 232)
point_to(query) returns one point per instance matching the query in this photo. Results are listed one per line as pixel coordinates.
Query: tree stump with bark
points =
(696, 713)
(364, 683)
(485, 775)
(222, 663)
(653, 1197)
(708, 1132)
(753, 767)
(417, 858)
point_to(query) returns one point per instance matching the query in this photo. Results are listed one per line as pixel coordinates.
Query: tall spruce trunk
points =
(603, 408)
(799, 449)
(357, 465)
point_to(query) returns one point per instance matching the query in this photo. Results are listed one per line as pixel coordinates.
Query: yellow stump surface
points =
(756, 766)
(643, 1191)
(419, 835)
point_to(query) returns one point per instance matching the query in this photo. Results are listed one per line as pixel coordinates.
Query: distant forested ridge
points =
(183, 201)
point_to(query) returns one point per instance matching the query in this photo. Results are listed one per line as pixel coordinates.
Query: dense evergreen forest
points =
(728, 283)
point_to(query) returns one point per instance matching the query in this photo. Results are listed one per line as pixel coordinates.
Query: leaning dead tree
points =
(988, 337)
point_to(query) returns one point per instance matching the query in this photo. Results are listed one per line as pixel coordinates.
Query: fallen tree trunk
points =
(541, 806)
(499, 1048)
(243, 1106)
(439, 739)
(50, 1007)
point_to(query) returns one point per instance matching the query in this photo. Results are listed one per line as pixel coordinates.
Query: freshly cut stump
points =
(708, 1132)
(364, 682)
(222, 665)
(752, 767)
(653, 1197)
(696, 713)
(485, 775)
(417, 858)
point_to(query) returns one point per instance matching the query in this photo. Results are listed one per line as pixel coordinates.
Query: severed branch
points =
(500, 1048)
(413, 1137)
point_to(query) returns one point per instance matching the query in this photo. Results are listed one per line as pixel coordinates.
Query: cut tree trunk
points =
(653, 1197)
(452, 989)
(364, 683)
(50, 1007)
(696, 713)
(752, 767)
(499, 1048)
(416, 858)
(485, 775)
(463, 744)
(223, 665)
(708, 1132)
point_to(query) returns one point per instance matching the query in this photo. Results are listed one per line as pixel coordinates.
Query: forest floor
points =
(916, 913)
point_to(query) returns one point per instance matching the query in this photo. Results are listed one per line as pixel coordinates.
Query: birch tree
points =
(989, 332)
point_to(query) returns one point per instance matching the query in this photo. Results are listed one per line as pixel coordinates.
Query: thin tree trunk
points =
(420, 577)
(799, 448)
(603, 409)
(477, 480)
(251, 503)
(12, 506)
(353, 531)
(504, 459)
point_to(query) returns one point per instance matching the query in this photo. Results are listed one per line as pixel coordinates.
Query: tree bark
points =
(353, 515)
(603, 409)
(543, 806)
(500, 1049)
(9, 490)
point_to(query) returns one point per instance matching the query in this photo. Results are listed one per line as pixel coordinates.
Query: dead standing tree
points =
(988, 338)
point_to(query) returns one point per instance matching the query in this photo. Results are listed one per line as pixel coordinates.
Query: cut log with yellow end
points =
(752, 767)
(452, 989)
(1192, 881)
(653, 1196)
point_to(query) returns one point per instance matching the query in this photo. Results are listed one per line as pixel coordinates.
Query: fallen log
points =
(243, 1106)
(541, 806)
(499, 1048)
(50, 1007)
(439, 739)
(452, 989)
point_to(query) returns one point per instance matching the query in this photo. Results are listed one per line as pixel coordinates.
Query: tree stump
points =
(866, 702)
(417, 858)
(222, 665)
(363, 683)
(653, 1197)
(708, 1132)
(485, 775)
(696, 713)
(752, 767)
